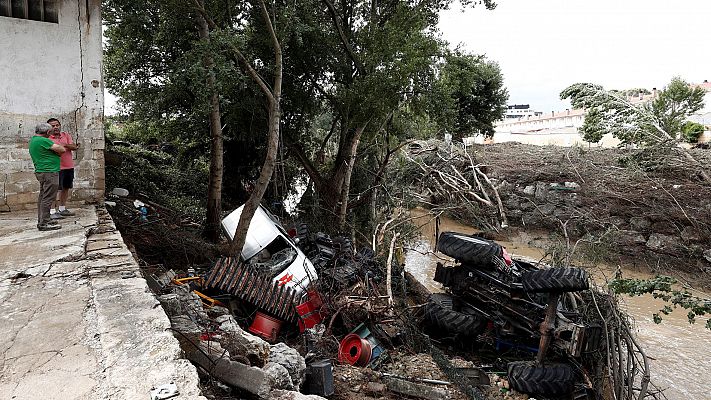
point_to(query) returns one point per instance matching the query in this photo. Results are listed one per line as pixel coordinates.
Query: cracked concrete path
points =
(77, 320)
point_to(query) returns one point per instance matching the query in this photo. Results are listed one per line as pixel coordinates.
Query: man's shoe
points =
(56, 216)
(66, 213)
(47, 227)
(52, 222)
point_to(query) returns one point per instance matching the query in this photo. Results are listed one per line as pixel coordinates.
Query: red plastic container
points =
(310, 311)
(355, 350)
(265, 326)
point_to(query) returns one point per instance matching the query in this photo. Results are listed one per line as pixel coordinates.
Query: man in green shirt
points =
(45, 156)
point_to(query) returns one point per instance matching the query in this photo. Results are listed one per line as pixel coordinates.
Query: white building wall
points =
(51, 70)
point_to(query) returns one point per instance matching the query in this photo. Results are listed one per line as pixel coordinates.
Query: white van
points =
(269, 248)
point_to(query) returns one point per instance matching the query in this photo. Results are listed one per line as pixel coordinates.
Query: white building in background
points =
(50, 66)
(554, 128)
(522, 124)
(520, 111)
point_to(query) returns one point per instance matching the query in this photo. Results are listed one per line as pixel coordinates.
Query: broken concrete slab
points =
(278, 377)
(211, 357)
(182, 302)
(108, 336)
(238, 341)
(290, 359)
(412, 389)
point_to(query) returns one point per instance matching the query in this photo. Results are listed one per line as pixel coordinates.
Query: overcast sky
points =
(543, 46)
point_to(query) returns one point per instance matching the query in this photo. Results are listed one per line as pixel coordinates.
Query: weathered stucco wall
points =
(51, 70)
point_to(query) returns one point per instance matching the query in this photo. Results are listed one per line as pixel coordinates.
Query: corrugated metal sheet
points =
(239, 279)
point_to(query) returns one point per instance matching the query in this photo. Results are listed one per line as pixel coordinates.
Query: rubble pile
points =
(304, 314)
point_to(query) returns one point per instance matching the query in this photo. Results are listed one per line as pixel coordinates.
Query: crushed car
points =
(270, 249)
(271, 274)
(280, 273)
(513, 304)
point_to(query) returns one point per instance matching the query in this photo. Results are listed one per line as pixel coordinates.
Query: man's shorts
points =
(66, 178)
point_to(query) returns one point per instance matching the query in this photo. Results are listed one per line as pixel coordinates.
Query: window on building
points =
(36, 10)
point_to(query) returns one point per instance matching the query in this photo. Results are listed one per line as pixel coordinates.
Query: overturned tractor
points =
(512, 303)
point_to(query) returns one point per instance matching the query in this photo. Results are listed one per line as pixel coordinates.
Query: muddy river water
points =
(680, 353)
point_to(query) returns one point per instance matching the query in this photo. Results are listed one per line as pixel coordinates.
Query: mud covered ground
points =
(648, 209)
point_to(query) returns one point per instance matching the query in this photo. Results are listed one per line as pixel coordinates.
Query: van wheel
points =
(302, 234)
(550, 380)
(470, 250)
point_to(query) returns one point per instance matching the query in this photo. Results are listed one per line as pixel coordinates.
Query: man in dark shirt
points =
(45, 156)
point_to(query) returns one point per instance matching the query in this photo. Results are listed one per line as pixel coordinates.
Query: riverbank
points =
(675, 347)
(645, 209)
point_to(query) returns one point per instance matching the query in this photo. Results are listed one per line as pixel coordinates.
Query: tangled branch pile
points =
(438, 174)
(162, 236)
(622, 367)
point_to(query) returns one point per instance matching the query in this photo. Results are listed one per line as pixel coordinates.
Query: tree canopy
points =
(359, 78)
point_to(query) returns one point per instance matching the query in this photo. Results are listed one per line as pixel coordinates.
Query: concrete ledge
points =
(77, 320)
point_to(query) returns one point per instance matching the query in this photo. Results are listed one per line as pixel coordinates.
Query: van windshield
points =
(275, 257)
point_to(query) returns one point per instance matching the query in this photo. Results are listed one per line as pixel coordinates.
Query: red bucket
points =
(355, 350)
(310, 311)
(265, 326)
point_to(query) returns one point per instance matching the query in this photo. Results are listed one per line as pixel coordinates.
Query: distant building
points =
(519, 111)
(554, 128)
(50, 64)
(523, 125)
(703, 116)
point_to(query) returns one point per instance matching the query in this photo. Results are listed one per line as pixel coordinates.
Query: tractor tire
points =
(343, 246)
(550, 380)
(444, 312)
(365, 254)
(303, 238)
(555, 280)
(470, 250)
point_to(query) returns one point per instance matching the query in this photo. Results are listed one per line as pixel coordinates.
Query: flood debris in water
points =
(322, 315)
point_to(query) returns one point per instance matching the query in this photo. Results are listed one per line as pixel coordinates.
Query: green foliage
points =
(662, 287)
(691, 131)
(656, 122)
(677, 101)
(158, 176)
(347, 64)
(469, 95)
(632, 92)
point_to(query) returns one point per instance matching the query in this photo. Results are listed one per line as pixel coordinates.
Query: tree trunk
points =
(214, 189)
(346, 183)
(274, 98)
(264, 177)
(700, 168)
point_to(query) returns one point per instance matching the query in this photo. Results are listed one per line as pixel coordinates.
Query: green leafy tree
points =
(354, 71)
(469, 95)
(691, 131)
(371, 63)
(655, 123)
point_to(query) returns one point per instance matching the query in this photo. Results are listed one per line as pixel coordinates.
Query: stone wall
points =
(546, 205)
(51, 70)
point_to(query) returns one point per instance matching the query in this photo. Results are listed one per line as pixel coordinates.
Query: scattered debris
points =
(121, 192)
(413, 389)
(317, 298)
(319, 378)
